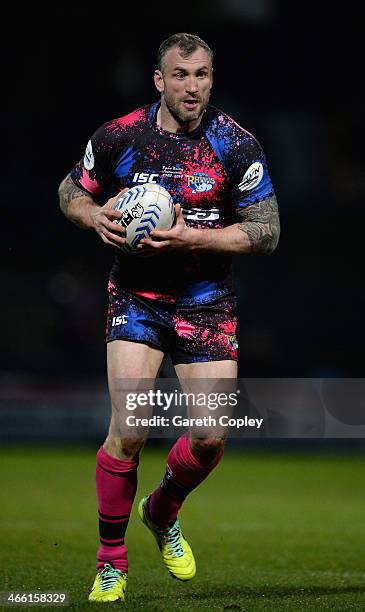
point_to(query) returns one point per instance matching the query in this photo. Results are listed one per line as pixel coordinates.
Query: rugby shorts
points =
(203, 332)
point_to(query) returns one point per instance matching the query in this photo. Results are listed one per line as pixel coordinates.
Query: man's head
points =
(186, 44)
(184, 77)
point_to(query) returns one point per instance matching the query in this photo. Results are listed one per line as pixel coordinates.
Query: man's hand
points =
(180, 236)
(103, 221)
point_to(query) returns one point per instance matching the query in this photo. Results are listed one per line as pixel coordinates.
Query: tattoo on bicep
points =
(68, 191)
(260, 222)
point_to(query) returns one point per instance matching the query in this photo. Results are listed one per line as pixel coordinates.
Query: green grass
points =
(270, 532)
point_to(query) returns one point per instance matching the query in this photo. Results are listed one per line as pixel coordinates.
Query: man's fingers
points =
(158, 235)
(113, 214)
(113, 226)
(153, 244)
(110, 242)
(112, 236)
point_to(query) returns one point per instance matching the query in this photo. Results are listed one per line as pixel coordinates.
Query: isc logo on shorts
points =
(121, 320)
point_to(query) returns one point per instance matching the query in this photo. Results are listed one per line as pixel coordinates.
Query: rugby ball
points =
(144, 208)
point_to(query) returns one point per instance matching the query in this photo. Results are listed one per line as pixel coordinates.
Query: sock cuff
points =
(121, 466)
(184, 448)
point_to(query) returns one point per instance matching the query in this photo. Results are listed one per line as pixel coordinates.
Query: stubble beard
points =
(184, 117)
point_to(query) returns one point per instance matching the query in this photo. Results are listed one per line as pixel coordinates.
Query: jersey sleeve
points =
(94, 172)
(250, 178)
(243, 159)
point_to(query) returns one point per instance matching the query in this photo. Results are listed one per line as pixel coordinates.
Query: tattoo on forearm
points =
(260, 222)
(68, 191)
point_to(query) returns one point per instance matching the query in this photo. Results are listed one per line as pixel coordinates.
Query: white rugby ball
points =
(144, 208)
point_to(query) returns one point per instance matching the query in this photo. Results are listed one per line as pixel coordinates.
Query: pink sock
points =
(116, 484)
(183, 474)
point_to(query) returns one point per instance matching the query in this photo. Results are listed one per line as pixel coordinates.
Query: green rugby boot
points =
(176, 552)
(109, 585)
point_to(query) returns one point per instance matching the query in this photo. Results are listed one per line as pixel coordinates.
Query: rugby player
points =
(177, 297)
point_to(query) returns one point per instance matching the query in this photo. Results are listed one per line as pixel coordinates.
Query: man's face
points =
(185, 83)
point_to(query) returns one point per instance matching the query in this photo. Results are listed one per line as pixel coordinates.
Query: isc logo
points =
(144, 177)
(122, 320)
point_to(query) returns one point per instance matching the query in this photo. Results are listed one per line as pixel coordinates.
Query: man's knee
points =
(207, 450)
(124, 448)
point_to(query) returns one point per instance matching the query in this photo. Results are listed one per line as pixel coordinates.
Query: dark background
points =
(289, 73)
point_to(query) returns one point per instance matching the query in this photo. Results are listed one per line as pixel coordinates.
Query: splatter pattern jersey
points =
(212, 172)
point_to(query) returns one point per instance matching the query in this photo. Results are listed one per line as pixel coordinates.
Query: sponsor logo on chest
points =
(198, 214)
(198, 182)
(145, 177)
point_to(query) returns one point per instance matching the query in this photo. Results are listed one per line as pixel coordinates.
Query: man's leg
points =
(193, 457)
(132, 367)
(189, 462)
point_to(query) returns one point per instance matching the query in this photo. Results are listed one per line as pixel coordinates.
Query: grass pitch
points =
(270, 532)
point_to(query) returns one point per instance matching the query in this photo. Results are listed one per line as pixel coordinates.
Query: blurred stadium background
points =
(288, 72)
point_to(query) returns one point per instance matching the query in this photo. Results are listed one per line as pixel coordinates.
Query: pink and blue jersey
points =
(212, 172)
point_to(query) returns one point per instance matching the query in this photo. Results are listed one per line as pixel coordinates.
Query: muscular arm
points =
(260, 225)
(79, 207)
(257, 232)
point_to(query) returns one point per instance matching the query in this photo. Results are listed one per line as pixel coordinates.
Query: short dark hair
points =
(187, 43)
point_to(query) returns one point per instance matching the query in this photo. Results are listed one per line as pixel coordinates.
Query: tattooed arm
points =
(256, 233)
(79, 207)
(260, 224)
(76, 204)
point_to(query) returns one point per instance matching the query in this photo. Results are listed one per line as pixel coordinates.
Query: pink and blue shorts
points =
(203, 332)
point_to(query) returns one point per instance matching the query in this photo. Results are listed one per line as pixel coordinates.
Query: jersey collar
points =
(193, 135)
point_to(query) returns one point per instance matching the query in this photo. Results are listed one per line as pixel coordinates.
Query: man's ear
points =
(158, 78)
